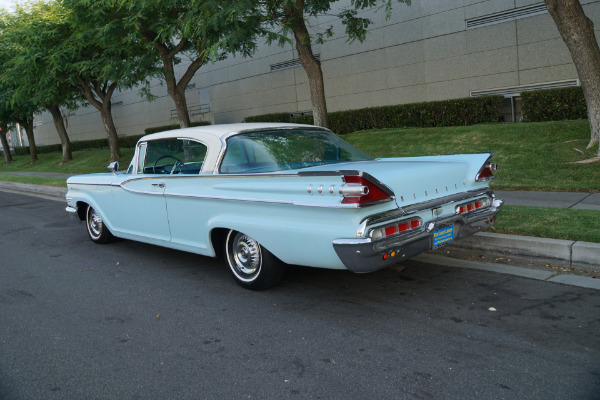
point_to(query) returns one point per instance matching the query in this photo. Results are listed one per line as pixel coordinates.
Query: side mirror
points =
(113, 167)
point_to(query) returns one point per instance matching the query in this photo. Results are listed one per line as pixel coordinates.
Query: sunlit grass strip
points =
(35, 180)
(84, 162)
(554, 223)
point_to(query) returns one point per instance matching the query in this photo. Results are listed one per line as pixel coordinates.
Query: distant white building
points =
(430, 50)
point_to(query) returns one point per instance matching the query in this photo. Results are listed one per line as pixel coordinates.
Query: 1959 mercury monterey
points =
(263, 195)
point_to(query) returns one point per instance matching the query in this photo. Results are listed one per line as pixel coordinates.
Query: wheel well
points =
(217, 238)
(81, 209)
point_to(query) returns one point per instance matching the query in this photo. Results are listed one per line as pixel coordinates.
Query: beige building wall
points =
(426, 51)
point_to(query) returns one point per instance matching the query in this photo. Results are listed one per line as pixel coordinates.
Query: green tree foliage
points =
(14, 107)
(99, 58)
(39, 29)
(171, 31)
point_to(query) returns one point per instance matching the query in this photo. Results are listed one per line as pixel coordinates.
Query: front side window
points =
(270, 151)
(171, 156)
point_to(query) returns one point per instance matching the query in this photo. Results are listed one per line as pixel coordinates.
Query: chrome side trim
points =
(246, 199)
(93, 184)
(453, 198)
(183, 176)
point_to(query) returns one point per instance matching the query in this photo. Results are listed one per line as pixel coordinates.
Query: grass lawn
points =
(530, 156)
(553, 223)
(34, 180)
(84, 162)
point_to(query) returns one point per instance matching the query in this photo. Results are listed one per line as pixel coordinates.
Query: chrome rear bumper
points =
(366, 255)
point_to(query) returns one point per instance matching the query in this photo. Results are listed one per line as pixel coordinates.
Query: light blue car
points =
(264, 195)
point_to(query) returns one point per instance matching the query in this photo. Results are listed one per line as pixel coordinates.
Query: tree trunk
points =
(167, 54)
(311, 65)
(577, 31)
(28, 124)
(178, 96)
(5, 146)
(177, 89)
(105, 107)
(111, 130)
(59, 123)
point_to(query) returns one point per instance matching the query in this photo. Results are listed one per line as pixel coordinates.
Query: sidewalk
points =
(578, 201)
(566, 254)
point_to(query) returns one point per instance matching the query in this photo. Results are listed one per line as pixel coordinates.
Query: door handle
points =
(160, 185)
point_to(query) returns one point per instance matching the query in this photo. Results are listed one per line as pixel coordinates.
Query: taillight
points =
(397, 228)
(486, 172)
(472, 206)
(362, 191)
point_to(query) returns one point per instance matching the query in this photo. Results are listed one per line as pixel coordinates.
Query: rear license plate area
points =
(442, 236)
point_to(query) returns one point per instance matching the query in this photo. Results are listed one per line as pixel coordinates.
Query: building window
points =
(290, 64)
(204, 94)
(505, 16)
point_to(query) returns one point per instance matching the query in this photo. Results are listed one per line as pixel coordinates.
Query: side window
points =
(173, 156)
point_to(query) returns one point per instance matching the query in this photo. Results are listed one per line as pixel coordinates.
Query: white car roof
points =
(219, 132)
(213, 136)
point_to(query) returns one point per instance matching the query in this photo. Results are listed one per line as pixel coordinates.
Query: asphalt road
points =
(133, 321)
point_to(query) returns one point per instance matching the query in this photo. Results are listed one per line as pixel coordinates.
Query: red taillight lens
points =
(369, 193)
(472, 206)
(390, 230)
(396, 228)
(486, 173)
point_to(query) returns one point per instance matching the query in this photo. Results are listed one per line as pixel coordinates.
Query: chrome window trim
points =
(136, 156)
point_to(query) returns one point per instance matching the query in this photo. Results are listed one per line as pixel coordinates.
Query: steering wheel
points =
(177, 164)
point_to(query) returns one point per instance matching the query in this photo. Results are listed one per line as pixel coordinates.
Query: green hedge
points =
(124, 141)
(466, 111)
(554, 104)
(277, 117)
(163, 128)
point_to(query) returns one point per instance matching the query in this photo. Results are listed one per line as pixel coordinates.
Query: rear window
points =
(280, 150)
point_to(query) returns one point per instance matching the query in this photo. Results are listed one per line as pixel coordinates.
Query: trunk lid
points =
(418, 179)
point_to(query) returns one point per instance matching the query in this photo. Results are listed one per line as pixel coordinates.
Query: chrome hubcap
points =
(95, 223)
(246, 254)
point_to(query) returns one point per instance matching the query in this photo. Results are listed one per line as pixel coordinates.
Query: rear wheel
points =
(252, 266)
(97, 231)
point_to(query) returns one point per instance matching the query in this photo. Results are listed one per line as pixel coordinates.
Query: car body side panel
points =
(140, 209)
(270, 209)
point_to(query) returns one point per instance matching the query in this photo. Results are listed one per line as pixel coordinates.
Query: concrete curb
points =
(567, 253)
(47, 192)
(531, 273)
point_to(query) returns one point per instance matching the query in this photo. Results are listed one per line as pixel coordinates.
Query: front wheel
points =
(97, 231)
(252, 266)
